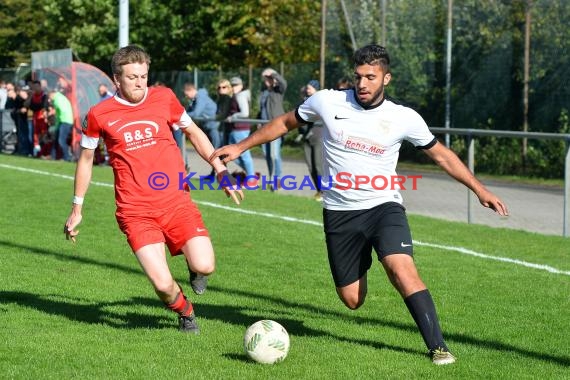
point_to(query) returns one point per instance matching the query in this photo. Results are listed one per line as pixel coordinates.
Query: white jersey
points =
(361, 147)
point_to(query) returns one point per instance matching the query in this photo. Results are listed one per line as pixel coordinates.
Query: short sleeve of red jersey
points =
(176, 109)
(178, 116)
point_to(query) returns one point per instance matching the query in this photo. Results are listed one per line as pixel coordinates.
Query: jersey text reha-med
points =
(361, 142)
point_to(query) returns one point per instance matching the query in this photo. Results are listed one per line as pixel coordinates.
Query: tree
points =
(20, 31)
(178, 35)
(88, 27)
(258, 33)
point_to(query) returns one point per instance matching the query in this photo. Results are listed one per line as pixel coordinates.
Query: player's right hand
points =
(225, 154)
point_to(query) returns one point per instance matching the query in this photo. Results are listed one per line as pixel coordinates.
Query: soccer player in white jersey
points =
(363, 132)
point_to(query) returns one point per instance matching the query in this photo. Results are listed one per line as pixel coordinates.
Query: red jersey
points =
(146, 161)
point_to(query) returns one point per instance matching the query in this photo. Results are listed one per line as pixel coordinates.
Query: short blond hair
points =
(126, 55)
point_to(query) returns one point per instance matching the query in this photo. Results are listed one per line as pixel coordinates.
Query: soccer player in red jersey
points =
(153, 208)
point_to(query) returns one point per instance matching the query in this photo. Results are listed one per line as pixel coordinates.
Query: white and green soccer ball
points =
(266, 342)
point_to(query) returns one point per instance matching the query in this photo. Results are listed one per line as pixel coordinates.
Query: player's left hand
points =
(69, 229)
(493, 202)
(230, 186)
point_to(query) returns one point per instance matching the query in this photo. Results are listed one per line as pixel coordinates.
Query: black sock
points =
(420, 305)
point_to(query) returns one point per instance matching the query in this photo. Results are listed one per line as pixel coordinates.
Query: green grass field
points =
(87, 311)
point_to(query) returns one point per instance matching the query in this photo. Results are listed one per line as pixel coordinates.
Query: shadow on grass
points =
(71, 257)
(97, 313)
(294, 328)
(100, 315)
(92, 313)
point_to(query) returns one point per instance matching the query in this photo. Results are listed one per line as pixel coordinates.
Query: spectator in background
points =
(63, 86)
(101, 153)
(3, 94)
(63, 122)
(312, 136)
(39, 105)
(223, 103)
(104, 92)
(10, 99)
(343, 83)
(271, 106)
(45, 86)
(20, 117)
(201, 106)
(239, 109)
(177, 134)
(11, 96)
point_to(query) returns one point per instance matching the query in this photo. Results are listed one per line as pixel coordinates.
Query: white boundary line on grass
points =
(462, 250)
(431, 245)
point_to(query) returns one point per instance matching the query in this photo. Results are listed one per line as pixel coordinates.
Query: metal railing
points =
(472, 134)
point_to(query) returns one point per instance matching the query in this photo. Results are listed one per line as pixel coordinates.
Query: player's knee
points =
(205, 268)
(208, 269)
(353, 303)
(352, 300)
(164, 287)
(406, 283)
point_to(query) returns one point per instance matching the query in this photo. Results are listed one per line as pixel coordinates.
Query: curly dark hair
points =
(372, 55)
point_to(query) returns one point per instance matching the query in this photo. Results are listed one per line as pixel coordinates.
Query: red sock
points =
(181, 305)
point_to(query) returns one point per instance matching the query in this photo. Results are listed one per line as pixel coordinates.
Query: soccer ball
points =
(266, 342)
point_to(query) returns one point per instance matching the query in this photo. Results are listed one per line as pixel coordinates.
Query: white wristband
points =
(77, 200)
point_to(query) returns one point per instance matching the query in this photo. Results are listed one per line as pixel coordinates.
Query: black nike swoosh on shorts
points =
(340, 118)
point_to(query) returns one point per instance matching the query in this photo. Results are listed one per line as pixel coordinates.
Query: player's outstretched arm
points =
(271, 131)
(204, 148)
(449, 162)
(82, 178)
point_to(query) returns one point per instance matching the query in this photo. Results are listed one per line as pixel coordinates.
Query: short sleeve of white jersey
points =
(418, 132)
(307, 110)
(88, 142)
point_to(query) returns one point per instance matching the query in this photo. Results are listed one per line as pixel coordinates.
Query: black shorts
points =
(351, 235)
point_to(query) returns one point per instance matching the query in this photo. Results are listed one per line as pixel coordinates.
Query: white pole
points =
(123, 23)
(566, 222)
(448, 71)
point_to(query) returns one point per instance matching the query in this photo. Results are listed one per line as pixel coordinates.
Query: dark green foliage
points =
(222, 39)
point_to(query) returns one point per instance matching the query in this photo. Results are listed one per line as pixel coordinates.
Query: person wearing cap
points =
(271, 106)
(239, 109)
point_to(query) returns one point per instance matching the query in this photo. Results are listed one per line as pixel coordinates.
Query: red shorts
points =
(173, 226)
